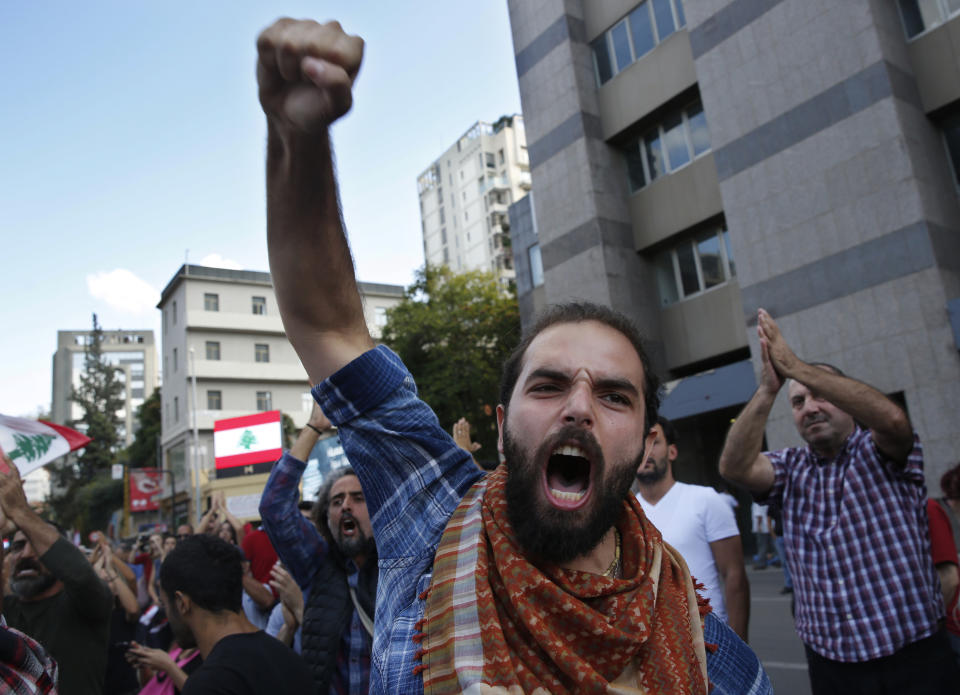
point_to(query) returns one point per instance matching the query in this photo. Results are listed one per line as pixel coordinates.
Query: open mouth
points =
(348, 527)
(567, 477)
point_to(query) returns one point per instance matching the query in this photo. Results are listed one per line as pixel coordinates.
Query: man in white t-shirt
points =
(697, 522)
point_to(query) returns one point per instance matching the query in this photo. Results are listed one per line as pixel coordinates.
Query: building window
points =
(261, 352)
(175, 361)
(264, 400)
(500, 156)
(259, 305)
(443, 219)
(635, 35)
(380, 316)
(214, 400)
(211, 302)
(922, 15)
(536, 265)
(671, 144)
(174, 312)
(491, 162)
(694, 265)
(176, 409)
(213, 350)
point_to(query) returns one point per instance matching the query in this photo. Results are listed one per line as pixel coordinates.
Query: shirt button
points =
(839, 581)
(849, 616)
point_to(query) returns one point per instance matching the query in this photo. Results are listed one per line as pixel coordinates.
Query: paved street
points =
(772, 635)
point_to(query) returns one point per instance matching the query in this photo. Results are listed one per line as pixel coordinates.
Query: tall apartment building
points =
(132, 352)
(465, 193)
(222, 327)
(692, 161)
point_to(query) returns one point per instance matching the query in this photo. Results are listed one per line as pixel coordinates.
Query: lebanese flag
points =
(249, 439)
(34, 443)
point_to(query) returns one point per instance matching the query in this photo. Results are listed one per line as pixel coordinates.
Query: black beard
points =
(550, 534)
(28, 587)
(356, 545)
(181, 631)
(654, 476)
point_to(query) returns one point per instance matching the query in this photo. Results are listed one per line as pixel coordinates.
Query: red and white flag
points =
(243, 441)
(31, 444)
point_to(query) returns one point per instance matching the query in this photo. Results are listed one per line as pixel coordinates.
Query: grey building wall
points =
(833, 180)
(839, 190)
(579, 182)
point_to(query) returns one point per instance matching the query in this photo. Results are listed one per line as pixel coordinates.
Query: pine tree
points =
(100, 396)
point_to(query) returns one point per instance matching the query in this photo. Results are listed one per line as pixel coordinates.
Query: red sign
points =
(144, 487)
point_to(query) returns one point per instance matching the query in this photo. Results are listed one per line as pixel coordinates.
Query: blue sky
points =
(132, 136)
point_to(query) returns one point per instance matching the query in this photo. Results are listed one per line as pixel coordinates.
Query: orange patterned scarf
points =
(496, 623)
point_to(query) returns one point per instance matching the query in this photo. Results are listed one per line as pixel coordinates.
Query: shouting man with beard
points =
(334, 561)
(57, 599)
(542, 577)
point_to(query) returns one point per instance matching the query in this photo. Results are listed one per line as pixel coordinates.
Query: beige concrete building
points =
(465, 193)
(132, 352)
(692, 161)
(222, 332)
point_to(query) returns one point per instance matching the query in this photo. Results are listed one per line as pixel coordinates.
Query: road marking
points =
(785, 664)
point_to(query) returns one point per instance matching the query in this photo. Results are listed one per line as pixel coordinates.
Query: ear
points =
(672, 453)
(183, 603)
(501, 416)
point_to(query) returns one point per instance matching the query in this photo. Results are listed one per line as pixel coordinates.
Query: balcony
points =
(496, 183)
(227, 322)
(236, 370)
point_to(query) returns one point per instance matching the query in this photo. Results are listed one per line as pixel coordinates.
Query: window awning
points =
(732, 384)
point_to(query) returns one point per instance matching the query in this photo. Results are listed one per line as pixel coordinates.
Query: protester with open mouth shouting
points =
(544, 576)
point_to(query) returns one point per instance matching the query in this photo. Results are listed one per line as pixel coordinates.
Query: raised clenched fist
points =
(306, 72)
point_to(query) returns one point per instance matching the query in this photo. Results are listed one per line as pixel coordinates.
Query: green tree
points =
(100, 396)
(454, 331)
(142, 452)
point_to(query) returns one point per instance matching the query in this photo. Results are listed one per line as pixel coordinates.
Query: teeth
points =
(569, 450)
(569, 496)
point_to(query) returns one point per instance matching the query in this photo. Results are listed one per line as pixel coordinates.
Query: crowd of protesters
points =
(415, 570)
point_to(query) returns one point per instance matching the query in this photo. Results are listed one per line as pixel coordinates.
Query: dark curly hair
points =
(208, 570)
(579, 312)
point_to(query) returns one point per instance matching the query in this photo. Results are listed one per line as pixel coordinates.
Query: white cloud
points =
(123, 291)
(215, 260)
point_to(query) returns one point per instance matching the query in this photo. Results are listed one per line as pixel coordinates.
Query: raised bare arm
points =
(888, 423)
(741, 460)
(305, 73)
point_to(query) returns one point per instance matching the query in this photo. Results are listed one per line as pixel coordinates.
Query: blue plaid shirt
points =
(302, 550)
(858, 547)
(413, 477)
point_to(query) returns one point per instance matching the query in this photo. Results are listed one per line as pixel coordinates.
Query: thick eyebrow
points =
(613, 383)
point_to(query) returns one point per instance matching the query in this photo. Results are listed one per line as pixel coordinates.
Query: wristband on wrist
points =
(314, 428)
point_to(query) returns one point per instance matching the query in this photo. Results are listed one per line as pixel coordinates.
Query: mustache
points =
(814, 419)
(28, 564)
(572, 433)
